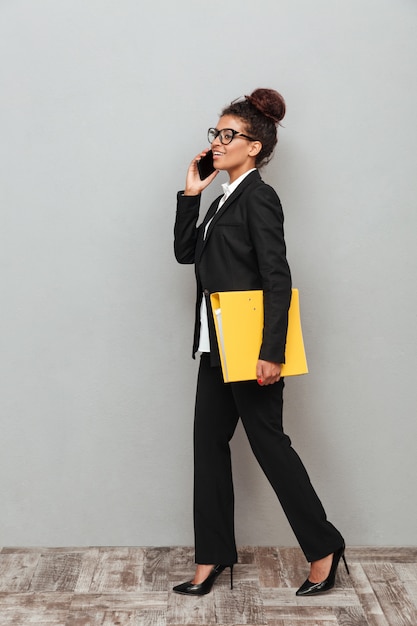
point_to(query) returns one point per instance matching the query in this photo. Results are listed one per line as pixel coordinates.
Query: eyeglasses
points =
(226, 135)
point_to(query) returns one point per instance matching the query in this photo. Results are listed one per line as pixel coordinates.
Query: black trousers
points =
(218, 408)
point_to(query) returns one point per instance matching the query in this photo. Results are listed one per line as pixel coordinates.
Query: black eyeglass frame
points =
(235, 133)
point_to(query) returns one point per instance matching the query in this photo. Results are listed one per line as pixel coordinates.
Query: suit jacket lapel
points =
(200, 241)
(250, 178)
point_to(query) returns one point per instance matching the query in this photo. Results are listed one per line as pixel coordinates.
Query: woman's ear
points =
(255, 148)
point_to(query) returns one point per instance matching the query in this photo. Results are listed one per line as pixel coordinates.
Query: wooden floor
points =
(132, 586)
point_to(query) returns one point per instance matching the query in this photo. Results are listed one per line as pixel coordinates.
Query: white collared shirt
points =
(228, 189)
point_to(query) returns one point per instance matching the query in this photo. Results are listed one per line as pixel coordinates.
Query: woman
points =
(240, 246)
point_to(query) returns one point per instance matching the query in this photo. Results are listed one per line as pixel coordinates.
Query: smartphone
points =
(205, 165)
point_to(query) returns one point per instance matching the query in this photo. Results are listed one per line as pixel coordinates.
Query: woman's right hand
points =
(193, 183)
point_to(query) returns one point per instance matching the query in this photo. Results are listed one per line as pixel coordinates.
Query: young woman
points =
(240, 246)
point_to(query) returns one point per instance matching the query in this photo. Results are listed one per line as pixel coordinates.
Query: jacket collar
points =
(250, 179)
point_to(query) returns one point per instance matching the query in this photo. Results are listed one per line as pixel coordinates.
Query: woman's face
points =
(239, 155)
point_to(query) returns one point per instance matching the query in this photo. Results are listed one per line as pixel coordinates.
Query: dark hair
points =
(261, 113)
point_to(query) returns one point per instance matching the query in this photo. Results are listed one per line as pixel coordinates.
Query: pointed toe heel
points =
(201, 589)
(308, 588)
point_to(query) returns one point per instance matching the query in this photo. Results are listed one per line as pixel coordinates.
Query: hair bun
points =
(269, 102)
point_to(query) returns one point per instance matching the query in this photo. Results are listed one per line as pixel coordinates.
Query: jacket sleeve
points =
(266, 223)
(185, 229)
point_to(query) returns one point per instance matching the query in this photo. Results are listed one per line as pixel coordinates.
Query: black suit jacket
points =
(244, 249)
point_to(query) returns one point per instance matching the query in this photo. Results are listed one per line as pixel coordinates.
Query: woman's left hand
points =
(267, 372)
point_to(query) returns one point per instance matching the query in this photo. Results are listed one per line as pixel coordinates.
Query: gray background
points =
(103, 105)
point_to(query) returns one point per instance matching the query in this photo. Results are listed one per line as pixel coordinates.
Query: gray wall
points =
(103, 105)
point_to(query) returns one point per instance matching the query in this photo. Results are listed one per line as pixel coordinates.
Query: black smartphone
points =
(205, 165)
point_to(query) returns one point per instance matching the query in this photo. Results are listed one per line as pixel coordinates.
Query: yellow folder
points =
(238, 318)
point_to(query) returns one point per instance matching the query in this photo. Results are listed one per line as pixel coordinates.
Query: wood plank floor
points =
(132, 587)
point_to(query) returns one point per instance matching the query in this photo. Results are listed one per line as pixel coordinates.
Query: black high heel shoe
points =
(308, 588)
(191, 589)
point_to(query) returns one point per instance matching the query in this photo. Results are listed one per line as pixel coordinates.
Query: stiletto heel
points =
(346, 565)
(191, 589)
(308, 588)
